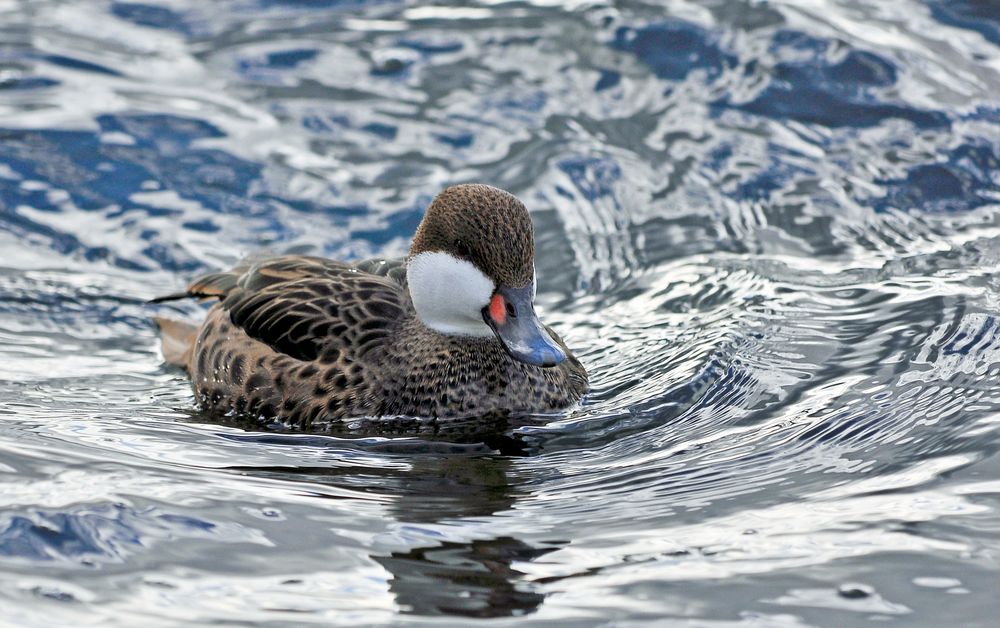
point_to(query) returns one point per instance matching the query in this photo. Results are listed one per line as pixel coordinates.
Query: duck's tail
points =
(178, 337)
(178, 340)
(210, 286)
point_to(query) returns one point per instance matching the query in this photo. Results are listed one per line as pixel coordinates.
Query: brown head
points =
(471, 271)
(484, 225)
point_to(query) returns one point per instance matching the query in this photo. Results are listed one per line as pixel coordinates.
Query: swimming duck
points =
(449, 331)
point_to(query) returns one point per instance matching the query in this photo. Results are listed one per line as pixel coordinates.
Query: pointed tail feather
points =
(176, 296)
(178, 341)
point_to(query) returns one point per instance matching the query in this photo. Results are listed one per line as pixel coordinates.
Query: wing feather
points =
(306, 307)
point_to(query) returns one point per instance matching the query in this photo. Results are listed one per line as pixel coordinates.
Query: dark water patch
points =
(674, 48)
(291, 58)
(981, 16)
(205, 226)
(829, 86)
(275, 67)
(26, 82)
(384, 131)
(457, 141)
(431, 47)
(152, 16)
(391, 66)
(89, 537)
(73, 63)
(961, 180)
(607, 80)
(98, 174)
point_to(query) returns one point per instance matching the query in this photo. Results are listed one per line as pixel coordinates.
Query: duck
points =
(449, 331)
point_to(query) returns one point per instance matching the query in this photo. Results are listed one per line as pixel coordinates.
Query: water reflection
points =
(473, 578)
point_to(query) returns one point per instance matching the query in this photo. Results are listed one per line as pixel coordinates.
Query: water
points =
(769, 229)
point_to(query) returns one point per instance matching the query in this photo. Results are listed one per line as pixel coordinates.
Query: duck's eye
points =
(511, 310)
(462, 249)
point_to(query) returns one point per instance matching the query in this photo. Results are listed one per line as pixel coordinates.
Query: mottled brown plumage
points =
(304, 339)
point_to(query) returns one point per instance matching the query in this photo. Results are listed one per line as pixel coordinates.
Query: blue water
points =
(769, 229)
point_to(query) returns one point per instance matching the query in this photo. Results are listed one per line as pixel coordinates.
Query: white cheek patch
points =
(449, 294)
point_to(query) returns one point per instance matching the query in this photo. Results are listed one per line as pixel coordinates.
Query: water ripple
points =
(770, 231)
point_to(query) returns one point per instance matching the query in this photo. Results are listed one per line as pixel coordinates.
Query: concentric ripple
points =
(769, 229)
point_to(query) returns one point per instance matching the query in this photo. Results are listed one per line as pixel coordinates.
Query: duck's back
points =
(294, 337)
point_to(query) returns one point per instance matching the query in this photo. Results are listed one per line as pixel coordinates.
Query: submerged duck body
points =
(450, 331)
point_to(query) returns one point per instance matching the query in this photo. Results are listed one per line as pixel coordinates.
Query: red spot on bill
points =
(498, 310)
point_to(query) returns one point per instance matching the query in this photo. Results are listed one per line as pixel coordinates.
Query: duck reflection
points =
(470, 579)
(454, 475)
(473, 579)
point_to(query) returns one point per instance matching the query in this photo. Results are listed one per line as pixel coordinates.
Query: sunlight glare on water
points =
(768, 229)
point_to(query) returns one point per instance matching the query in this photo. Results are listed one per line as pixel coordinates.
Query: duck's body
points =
(305, 339)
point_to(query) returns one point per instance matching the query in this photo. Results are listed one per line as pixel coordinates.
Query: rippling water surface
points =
(769, 229)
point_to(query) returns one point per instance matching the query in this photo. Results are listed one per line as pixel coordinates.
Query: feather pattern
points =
(305, 340)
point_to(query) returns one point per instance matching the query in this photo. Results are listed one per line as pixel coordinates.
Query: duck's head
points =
(471, 272)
